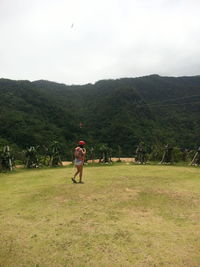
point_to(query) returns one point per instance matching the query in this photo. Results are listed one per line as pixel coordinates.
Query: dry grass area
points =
(66, 163)
(124, 215)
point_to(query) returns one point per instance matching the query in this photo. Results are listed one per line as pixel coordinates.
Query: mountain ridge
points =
(153, 108)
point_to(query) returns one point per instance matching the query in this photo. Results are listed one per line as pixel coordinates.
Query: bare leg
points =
(77, 172)
(81, 173)
(73, 179)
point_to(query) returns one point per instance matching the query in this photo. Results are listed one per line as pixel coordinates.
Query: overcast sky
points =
(81, 41)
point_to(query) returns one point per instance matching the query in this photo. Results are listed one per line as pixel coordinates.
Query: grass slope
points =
(123, 215)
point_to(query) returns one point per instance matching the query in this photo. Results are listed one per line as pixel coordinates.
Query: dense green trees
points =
(153, 109)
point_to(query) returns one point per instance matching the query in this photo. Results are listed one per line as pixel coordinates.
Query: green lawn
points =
(124, 215)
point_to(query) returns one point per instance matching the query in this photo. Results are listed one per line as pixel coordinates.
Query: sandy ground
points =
(65, 163)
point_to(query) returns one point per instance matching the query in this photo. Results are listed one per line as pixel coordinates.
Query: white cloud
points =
(109, 39)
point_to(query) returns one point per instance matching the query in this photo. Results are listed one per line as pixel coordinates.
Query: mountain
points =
(29, 117)
(121, 112)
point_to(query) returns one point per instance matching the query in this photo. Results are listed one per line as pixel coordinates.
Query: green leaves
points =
(154, 109)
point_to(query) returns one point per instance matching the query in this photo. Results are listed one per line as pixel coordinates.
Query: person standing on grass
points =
(79, 154)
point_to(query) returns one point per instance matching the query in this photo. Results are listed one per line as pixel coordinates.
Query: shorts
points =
(78, 162)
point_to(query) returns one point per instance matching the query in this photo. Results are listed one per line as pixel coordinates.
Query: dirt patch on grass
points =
(124, 159)
(66, 163)
(115, 160)
(19, 166)
(180, 195)
(61, 199)
(133, 192)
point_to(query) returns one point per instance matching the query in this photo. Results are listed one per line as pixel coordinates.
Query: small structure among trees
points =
(196, 158)
(92, 154)
(31, 158)
(167, 157)
(55, 159)
(105, 154)
(141, 154)
(119, 153)
(186, 155)
(6, 160)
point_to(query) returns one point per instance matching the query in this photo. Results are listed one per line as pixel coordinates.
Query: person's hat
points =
(81, 143)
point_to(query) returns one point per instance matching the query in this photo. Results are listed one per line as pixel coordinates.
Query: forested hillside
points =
(121, 112)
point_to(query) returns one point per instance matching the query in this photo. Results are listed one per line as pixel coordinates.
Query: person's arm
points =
(84, 153)
(76, 153)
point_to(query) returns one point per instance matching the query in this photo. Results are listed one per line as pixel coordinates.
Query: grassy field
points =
(124, 215)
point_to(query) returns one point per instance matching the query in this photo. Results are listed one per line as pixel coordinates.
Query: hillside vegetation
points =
(154, 109)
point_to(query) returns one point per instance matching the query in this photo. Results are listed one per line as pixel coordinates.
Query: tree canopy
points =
(123, 112)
